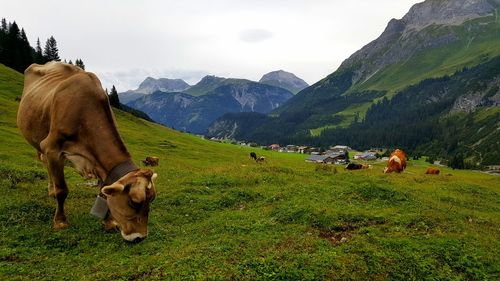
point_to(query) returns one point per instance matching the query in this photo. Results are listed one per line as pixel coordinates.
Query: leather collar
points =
(119, 171)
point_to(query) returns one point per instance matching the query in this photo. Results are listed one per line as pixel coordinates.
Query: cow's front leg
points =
(50, 185)
(55, 165)
(51, 188)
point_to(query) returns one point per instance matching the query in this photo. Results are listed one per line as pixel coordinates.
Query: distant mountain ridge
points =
(285, 80)
(151, 85)
(186, 112)
(194, 108)
(211, 82)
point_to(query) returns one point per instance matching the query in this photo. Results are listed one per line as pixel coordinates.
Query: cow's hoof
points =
(58, 225)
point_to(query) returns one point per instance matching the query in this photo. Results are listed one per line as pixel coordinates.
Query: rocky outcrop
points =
(471, 101)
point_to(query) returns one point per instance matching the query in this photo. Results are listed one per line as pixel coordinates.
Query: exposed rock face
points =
(472, 100)
(401, 39)
(195, 113)
(151, 85)
(285, 80)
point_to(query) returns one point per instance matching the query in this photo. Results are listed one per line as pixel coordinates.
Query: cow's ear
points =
(113, 189)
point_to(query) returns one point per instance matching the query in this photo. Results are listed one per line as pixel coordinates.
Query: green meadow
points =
(219, 215)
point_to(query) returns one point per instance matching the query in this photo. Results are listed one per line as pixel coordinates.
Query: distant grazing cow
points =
(432, 171)
(261, 159)
(151, 161)
(64, 114)
(353, 166)
(253, 156)
(397, 162)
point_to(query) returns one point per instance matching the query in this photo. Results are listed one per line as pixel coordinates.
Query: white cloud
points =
(255, 35)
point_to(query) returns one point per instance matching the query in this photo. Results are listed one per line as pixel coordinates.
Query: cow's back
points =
(56, 93)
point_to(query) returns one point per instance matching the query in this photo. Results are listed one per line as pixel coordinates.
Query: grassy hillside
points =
(219, 215)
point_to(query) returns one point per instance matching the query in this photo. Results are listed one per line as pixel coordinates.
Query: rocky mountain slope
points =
(426, 26)
(151, 85)
(211, 82)
(285, 80)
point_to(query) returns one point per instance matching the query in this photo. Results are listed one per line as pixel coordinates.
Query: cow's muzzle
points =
(134, 237)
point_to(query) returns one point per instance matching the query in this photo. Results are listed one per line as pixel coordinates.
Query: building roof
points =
(334, 154)
(366, 155)
(317, 158)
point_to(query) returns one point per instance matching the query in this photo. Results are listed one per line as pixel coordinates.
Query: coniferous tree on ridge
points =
(114, 101)
(51, 52)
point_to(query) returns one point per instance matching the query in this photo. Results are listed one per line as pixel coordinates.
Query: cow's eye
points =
(134, 205)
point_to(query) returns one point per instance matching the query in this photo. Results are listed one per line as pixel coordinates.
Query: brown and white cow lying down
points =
(432, 171)
(65, 114)
(397, 162)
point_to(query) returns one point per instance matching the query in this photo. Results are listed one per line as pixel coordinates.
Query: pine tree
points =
(79, 63)
(4, 25)
(114, 101)
(50, 51)
(38, 56)
(17, 53)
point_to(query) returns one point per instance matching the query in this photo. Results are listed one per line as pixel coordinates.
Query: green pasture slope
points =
(219, 215)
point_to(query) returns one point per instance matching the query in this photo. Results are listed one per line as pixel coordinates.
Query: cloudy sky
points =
(124, 41)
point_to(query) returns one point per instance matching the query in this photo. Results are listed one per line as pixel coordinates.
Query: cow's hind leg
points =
(57, 184)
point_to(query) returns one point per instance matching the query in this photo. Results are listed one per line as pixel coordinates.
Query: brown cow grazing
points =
(65, 114)
(151, 161)
(397, 162)
(260, 159)
(432, 171)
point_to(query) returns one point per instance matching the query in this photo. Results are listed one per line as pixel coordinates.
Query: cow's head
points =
(128, 200)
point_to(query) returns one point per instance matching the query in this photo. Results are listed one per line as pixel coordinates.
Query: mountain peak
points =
(150, 85)
(443, 12)
(209, 79)
(283, 79)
